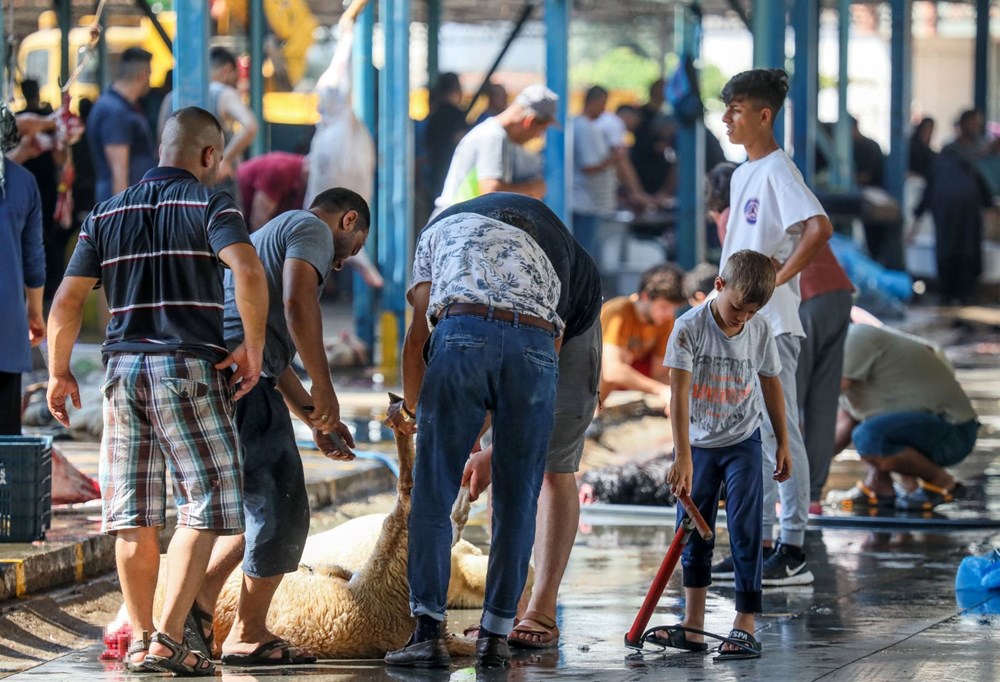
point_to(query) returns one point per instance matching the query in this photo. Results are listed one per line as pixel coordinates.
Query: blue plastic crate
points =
(25, 487)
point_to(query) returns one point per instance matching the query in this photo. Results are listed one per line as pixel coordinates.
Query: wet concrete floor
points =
(883, 606)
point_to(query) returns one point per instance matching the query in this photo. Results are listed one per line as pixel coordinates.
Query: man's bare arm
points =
(616, 370)
(305, 325)
(252, 305)
(118, 160)
(65, 319)
(413, 346)
(815, 235)
(232, 107)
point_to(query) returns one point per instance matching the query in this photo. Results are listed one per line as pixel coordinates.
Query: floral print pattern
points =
(469, 258)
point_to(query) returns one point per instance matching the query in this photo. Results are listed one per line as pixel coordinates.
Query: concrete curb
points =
(26, 569)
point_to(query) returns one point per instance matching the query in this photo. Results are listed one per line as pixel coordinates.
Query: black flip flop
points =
(259, 656)
(676, 639)
(748, 645)
(194, 631)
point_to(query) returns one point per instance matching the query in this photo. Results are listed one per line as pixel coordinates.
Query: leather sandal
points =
(138, 647)
(174, 663)
(534, 623)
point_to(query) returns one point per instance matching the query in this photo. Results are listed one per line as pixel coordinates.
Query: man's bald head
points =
(193, 140)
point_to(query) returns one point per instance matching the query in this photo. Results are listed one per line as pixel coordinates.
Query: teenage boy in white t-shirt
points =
(773, 212)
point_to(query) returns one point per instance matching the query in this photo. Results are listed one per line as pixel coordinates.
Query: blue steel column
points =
(690, 228)
(257, 22)
(842, 177)
(769, 23)
(433, 29)
(805, 86)
(363, 79)
(982, 73)
(395, 177)
(557, 77)
(902, 30)
(191, 54)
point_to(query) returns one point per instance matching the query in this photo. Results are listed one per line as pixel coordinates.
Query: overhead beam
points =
(741, 13)
(157, 26)
(514, 33)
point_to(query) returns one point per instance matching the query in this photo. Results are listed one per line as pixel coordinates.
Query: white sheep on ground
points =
(350, 596)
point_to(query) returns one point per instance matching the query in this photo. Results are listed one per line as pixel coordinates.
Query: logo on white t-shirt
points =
(751, 209)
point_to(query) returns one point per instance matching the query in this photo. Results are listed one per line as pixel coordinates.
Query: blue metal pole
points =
(982, 73)
(769, 24)
(364, 108)
(395, 176)
(257, 21)
(557, 78)
(690, 229)
(433, 29)
(900, 50)
(842, 178)
(191, 54)
(805, 85)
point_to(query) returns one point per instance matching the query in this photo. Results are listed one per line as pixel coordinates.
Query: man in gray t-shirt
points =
(491, 157)
(907, 414)
(298, 250)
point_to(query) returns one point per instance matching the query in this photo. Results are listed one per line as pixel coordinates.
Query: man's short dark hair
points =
(338, 199)
(132, 62)
(627, 109)
(750, 273)
(29, 89)
(717, 186)
(967, 116)
(664, 282)
(595, 93)
(767, 88)
(701, 279)
(191, 119)
(220, 57)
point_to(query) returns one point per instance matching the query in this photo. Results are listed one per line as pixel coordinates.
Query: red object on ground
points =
(116, 642)
(69, 484)
(693, 521)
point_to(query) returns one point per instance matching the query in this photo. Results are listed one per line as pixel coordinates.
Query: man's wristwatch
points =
(408, 416)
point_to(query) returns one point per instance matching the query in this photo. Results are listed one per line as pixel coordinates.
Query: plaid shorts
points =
(175, 411)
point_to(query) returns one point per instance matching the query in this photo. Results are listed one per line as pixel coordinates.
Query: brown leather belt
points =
(479, 310)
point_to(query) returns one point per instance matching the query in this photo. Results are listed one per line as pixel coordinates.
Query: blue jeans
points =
(738, 466)
(936, 438)
(476, 366)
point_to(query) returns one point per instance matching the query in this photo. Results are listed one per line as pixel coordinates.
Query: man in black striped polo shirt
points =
(156, 248)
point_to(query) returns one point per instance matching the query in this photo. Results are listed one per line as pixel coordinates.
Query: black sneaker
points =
(726, 570)
(786, 566)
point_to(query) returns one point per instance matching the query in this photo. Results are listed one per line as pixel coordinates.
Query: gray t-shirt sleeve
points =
(681, 346)
(312, 242)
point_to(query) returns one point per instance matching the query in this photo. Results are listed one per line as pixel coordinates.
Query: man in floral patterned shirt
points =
(484, 296)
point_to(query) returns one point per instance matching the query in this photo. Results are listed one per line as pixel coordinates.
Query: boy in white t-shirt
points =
(773, 212)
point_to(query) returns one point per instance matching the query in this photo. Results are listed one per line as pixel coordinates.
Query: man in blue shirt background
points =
(121, 141)
(22, 275)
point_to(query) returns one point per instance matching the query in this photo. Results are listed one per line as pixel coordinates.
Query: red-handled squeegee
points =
(692, 521)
